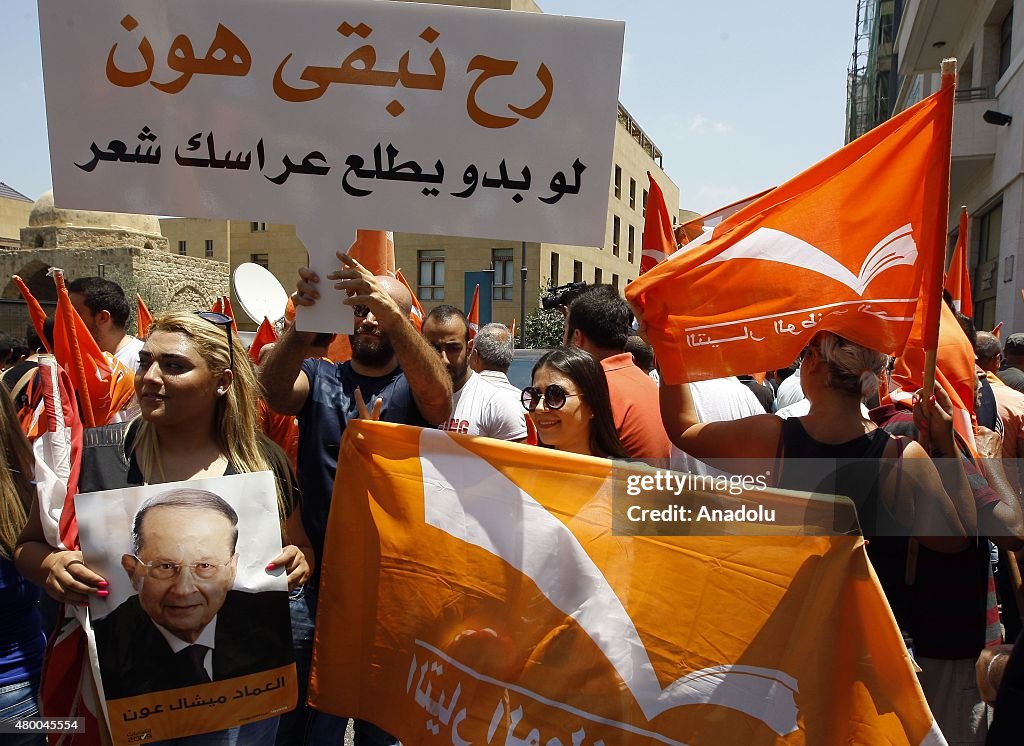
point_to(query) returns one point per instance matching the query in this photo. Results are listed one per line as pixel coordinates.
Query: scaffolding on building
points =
(859, 105)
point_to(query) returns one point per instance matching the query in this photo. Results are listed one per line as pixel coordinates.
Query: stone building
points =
(127, 249)
(14, 210)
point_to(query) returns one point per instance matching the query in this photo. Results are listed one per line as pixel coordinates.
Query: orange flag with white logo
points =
(103, 384)
(847, 246)
(36, 314)
(958, 278)
(145, 318)
(658, 241)
(697, 228)
(473, 317)
(492, 605)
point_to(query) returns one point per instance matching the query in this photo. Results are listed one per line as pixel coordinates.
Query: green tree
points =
(544, 329)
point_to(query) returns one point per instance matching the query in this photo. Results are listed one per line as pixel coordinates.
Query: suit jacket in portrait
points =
(253, 634)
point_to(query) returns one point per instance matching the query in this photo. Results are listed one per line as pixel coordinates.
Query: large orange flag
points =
(493, 605)
(958, 278)
(103, 384)
(847, 246)
(36, 314)
(145, 318)
(658, 241)
(697, 228)
(473, 317)
(375, 250)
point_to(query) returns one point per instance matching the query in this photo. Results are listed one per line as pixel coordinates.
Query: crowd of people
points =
(935, 514)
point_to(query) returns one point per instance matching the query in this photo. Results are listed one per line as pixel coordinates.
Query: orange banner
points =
(492, 605)
(847, 246)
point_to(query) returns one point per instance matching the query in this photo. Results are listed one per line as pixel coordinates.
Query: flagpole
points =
(934, 298)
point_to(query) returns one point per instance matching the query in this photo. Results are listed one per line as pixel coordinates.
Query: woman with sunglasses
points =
(569, 404)
(198, 394)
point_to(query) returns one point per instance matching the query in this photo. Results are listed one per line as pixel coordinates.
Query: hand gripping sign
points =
(334, 116)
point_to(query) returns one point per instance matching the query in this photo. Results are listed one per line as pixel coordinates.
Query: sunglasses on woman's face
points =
(554, 397)
(221, 319)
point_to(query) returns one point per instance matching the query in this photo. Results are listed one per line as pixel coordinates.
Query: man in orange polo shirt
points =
(599, 322)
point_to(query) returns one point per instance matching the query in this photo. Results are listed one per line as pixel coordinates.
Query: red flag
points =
(958, 279)
(228, 311)
(144, 316)
(417, 314)
(658, 241)
(375, 250)
(812, 255)
(264, 335)
(104, 385)
(35, 311)
(473, 317)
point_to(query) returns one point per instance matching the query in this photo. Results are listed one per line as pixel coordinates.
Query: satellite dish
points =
(259, 292)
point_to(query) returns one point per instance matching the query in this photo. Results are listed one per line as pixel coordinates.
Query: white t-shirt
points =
(717, 400)
(481, 408)
(803, 407)
(790, 391)
(129, 354)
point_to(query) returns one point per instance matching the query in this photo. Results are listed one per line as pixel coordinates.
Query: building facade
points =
(873, 77)
(987, 171)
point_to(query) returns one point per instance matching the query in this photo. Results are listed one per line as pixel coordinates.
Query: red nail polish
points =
(103, 584)
(271, 566)
(102, 594)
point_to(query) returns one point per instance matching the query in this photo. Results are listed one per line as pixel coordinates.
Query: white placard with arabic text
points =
(334, 116)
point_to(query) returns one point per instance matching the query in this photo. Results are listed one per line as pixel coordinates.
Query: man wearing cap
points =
(1012, 372)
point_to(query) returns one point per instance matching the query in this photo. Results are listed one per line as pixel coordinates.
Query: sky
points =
(739, 95)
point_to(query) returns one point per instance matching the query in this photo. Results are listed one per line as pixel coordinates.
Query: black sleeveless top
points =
(853, 469)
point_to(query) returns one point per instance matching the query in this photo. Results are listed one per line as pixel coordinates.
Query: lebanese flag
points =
(145, 318)
(104, 384)
(36, 313)
(264, 335)
(958, 278)
(473, 317)
(658, 241)
(692, 230)
(493, 604)
(417, 314)
(847, 246)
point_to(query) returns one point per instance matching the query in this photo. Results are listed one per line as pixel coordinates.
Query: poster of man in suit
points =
(195, 633)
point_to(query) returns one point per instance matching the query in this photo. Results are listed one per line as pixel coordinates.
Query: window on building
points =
(501, 263)
(209, 248)
(261, 259)
(989, 228)
(644, 210)
(615, 281)
(598, 275)
(183, 247)
(632, 194)
(630, 244)
(257, 227)
(885, 28)
(431, 274)
(616, 234)
(577, 271)
(1005, 42)
(553, 271)
(618, 182)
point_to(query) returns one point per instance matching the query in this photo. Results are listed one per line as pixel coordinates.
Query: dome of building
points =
(45, 215)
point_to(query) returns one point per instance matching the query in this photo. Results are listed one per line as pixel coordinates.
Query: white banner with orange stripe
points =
(469, 597)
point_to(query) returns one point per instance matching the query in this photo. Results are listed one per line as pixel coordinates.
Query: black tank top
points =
(853, 469)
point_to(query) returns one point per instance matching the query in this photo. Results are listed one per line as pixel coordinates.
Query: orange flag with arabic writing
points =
(103, 384)
(958, 278)
(145, 318)
(473, 317)
(493, 605)
(36, 314)
(658, 240)
(848, 246)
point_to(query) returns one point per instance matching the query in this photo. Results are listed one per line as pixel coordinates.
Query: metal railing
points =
(638, 134)
(975, 94)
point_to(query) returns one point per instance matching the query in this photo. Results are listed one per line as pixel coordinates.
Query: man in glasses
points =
(599, 322)
(186, 626)
(480, 408)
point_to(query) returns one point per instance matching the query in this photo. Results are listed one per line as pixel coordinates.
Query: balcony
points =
(974, 140)
(925, 24)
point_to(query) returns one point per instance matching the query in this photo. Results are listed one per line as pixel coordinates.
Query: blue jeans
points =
(20, 701)
(317, 728)
(261, 733)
